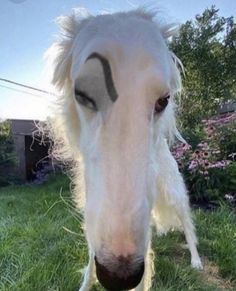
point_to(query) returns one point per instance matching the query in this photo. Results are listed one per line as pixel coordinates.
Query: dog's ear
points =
(59, 55)
(170, 30)
(167, 30)
(64, 126)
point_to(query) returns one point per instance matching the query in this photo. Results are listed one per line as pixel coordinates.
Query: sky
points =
(28, 28)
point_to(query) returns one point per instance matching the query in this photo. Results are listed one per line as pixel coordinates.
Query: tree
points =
(207, 49)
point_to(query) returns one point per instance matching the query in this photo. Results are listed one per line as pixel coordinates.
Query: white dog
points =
(117, 80)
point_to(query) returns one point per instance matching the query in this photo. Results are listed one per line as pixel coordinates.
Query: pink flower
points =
(193, 165)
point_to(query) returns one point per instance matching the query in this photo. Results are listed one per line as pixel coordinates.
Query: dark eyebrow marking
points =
(108, 75)
(85, 100)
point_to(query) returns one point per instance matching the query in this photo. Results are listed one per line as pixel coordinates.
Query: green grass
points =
(42, 246)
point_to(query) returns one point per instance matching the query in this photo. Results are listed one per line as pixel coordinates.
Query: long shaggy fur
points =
(170, 201)
(64, 126)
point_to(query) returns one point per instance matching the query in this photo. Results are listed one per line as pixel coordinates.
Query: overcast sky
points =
(27, 29)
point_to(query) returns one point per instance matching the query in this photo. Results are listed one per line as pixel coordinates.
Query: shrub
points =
(7, 155)
(209, 166)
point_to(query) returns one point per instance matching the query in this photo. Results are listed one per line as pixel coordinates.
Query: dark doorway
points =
(36, 156)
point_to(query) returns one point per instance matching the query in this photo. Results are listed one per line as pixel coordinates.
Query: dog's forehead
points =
(122, 59)
(105, 74)
(134, 43)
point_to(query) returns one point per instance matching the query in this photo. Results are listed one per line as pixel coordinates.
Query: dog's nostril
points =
(121, 279)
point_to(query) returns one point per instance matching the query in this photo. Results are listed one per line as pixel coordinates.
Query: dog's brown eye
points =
(161, 104)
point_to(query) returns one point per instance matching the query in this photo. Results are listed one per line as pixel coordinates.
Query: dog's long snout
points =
(125, 276)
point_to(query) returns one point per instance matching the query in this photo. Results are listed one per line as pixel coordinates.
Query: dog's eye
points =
(83, 99)
(161, 104)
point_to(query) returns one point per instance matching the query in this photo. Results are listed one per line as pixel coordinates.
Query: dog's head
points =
(118, 80)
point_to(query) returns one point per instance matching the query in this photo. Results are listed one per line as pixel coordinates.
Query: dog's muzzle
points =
(119, 280)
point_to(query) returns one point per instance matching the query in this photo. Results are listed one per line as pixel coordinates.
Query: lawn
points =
(42, 246)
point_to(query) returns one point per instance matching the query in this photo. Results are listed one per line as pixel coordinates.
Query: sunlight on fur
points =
(113, 124)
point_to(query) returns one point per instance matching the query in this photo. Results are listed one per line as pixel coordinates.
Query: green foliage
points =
(227, 140)
(207, 49)
(213, 186)
(194, 135)
(7, 155)
(227, 179)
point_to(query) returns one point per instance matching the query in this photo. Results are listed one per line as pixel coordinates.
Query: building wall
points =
(19, 141)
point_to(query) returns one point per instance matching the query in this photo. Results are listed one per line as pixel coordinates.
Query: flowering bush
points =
(209, 166)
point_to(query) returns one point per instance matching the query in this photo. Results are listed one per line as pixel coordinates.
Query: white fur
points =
(120, 157)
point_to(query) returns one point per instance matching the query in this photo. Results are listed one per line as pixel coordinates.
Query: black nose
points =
(123, 278)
